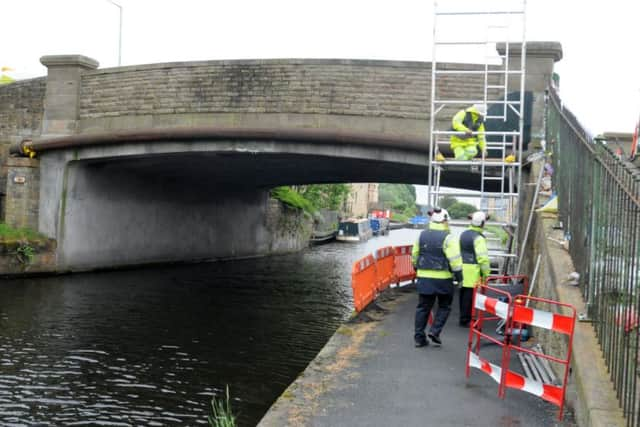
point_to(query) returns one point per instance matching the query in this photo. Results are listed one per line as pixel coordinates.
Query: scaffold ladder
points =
(473, 62)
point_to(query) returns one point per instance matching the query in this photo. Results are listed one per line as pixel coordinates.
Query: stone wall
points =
(21, 110)
(20, 196)
(43, 261)
(289, 229)
(345, 87)
(359, 95)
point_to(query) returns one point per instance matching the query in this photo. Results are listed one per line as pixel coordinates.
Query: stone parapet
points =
(62, 97)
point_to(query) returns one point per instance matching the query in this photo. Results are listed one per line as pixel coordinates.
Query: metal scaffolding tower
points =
(473, 63)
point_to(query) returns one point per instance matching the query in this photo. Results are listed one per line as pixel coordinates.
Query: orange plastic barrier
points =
(403, 267)
(364, 281)
(385, 267)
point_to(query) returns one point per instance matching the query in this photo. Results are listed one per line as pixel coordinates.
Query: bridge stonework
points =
(21, 110)
(390, 97)
(123, 200)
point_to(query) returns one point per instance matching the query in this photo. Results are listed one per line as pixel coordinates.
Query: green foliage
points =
(292, 198)
(460, 210)
(447, 201)
(400, 217)
(325, 196)
(401, 198)
(25, 253)
(221, 414)
(313, 197)
(8, 233)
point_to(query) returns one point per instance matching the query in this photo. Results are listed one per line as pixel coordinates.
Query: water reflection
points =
(150, 347)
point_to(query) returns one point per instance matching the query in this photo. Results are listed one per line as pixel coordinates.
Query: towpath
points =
(370, 374)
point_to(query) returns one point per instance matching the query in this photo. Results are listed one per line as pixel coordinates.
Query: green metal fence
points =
(599, 205)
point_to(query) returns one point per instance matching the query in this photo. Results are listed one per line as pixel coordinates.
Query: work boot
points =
(435, 339)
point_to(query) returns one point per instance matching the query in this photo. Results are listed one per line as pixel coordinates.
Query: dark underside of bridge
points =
(234, 171)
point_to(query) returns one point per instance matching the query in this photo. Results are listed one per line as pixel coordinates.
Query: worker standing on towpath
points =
(436, 259)
(475, 263)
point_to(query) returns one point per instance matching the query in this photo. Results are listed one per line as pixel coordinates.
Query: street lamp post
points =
(119, 32)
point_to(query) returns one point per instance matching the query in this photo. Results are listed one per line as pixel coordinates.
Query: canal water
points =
(150, 347)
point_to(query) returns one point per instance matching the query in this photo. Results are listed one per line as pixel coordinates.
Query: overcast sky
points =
(599, 72)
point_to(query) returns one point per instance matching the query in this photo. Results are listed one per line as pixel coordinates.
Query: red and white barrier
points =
(492, 305)
(543, 319)
(547, 392)
(490, 369)
(517, 316)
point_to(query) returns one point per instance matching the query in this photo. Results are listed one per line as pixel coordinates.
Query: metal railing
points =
(599, 205)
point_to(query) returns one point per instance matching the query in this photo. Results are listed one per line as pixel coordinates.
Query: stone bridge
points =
(173, 161)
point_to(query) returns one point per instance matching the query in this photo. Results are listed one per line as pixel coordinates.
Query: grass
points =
(12, 234)
(221, 414)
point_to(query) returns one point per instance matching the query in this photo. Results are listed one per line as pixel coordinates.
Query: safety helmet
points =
(481, 109)
(478, 218)
(439, 215)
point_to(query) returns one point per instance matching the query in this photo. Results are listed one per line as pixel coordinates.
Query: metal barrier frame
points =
(475, 329)
(543, 323)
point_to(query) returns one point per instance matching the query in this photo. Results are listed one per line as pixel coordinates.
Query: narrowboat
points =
(354, 230)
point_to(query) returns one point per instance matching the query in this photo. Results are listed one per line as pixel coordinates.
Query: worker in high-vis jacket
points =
(475, 263)
(469, 123)
(436, 259)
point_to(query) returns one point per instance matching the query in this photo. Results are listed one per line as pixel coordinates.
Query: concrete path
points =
(370, 374)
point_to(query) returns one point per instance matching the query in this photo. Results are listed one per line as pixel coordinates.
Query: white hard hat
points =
(480, 108)
(478, 218)
(439, 215)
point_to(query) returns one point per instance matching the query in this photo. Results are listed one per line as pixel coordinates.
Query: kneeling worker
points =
(475, 263)
(471, 122)
(436, 258)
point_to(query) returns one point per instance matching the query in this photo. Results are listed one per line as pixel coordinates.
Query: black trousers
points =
(466, 299)
(425, 304)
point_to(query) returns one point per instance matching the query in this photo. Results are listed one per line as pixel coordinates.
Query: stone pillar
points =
(538, 72)
(62, 97)
(21, 189)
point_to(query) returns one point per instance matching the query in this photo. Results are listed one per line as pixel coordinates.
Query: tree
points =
(460, 210)
(325, 196)
(399, 197)
(447, 201)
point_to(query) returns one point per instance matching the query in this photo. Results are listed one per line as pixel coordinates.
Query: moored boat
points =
(354, 230)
